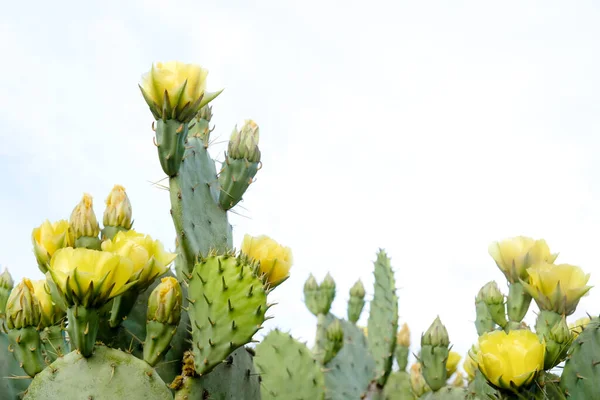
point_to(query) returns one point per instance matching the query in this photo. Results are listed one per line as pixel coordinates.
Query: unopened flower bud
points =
(118, 209)
(403, 337)
(244, 142)
(494, 300)
(436, 335)
(164, 303)
(22, 307)
(84, 224)
(6, 285)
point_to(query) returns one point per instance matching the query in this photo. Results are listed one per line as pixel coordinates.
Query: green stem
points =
(122, 306)
(83, 328)
(321, 338)
(517, 302)
(25, 343)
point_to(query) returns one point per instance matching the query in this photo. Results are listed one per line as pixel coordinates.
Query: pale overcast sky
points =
(429, 129)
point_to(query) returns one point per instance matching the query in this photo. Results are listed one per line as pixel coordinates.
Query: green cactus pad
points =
(108, 374)
(235, 177)
(398, 387)
(581, 375)
(348, 374)
(227, 307)
(231, 380)
(201, 225)
(11, 388)
(287, 369)
(383, 318)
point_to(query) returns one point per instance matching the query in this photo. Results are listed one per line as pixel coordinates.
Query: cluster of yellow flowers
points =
(512, 358)
(130, 260)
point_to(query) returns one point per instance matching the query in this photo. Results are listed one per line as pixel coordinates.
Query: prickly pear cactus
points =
(13, 381)
(107, 375)
(227, 307)
(383, 318)
(348, 374)
(398, 387)
(581, 375)
(288, 369)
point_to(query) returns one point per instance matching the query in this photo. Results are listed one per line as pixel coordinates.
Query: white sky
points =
(424, 128)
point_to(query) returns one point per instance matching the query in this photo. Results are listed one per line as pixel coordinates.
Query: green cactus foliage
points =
(107, 375)
(235, 177)
(398, 387)
(53, 342)
(201, 225)
(227, 307)
(348, 374)
(383, 318)
(10, 387)
(227, 381)
(287, 369)
(581, 375)
(445, 393)
(129, 335)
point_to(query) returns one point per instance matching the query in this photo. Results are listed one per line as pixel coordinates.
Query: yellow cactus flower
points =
(577, 327)
(164, 303)
(452, 362)
(83, 219)
(275, 260)
(510, 359)
(49, 237)
(403, 336)
(148, 256)
(176, 87)
(50, 312)
(513, 256)
(118, 209)
(557, 288)
(90, 278)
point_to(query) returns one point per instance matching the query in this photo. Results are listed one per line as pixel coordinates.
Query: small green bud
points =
(164, 303)
(205, 113)
(358, 290)
(494, 300)
(22, 307)
(326, 294)
(310, 284)
(6, 285)
(311, 295)
(436, 335)
(558, 341)
(328, 283)
(335, 340)
(243, 143)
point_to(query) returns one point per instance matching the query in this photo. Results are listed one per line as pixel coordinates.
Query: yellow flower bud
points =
(275, 259)
(148, 256)
(49, 237)
(557, 288)
(417, 380)
(452, 362)
(513, 256)
(50, 312)
(22, 307)
(83, 219)
(459, 380)
(118, 209)
(164, 303)
(403, 337)
(577, 327)
(365, 331)
(510, 359)
(176, 87)
(90, 278)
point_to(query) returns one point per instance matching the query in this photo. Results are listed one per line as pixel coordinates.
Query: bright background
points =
(429, 129)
